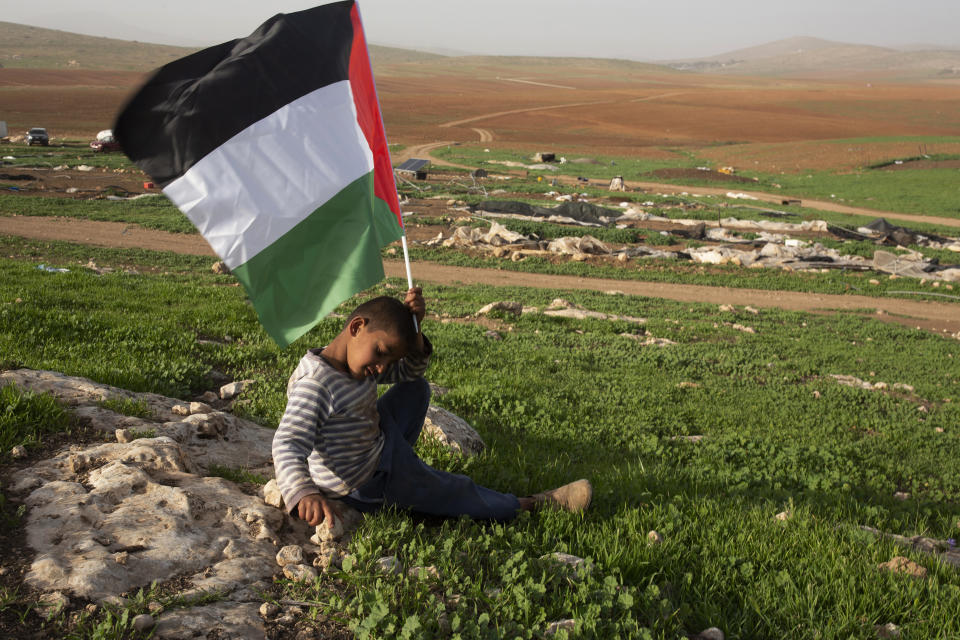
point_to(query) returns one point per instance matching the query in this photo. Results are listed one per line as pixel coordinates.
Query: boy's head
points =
(381, 331)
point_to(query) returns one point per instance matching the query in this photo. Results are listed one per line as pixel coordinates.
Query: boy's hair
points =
(388, 314)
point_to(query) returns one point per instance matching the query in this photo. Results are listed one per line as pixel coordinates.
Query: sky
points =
(629, 29)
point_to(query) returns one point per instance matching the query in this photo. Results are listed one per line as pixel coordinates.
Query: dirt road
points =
(939, 317)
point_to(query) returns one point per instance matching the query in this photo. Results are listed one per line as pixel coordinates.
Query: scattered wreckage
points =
(770, 246)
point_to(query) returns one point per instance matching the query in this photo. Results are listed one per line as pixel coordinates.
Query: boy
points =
(337, 443)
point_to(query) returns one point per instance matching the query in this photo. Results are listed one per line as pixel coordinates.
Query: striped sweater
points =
(329, 439)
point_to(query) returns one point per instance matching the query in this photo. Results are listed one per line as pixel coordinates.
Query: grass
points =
(129, 407)
(26, 417)
(237, 475)
(556, 399)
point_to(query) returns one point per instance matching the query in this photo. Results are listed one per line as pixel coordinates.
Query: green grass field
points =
(557, 399)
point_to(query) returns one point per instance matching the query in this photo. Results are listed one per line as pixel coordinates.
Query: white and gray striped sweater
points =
(329, 439)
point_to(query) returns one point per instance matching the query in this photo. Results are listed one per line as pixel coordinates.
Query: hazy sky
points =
(633, 29)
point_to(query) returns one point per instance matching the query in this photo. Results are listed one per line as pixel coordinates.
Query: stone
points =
(565, 625)
(269, 610)
(504, 305)
(123, 435)
(493, 335)
(342, 528)
(888, 630)
(50, 605)
(452, 431)
(140, 499)
(900, 564)
(388, 564)
(180, 409)
(155, 608)
(271, 494)
(328, 558)
(290, 554)
(233, 389)
(200, 407)
(208, 425)
(144, 622)
(783, 516)
(654, 537)
(428, 572)
(901, 495)
(217, 620)
(579, 566)
(18, 452)
(713, 633)
(220, 268)
(300, 572)
(208, 397)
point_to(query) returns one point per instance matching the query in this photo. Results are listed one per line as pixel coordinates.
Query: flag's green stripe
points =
(332, 254)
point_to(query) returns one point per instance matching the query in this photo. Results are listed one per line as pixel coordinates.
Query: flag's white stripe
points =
(262, 182)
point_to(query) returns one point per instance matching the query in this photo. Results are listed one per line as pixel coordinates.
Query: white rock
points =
(888, 630)
(18, 452)
(269, 610)
(712, 633)
(388, 564)
(452, 431)
(234, 389)
(300, 572)
(654, 537)
(272, 495)
(347, 521)
(567, 625)
(580, 566)
(200, 407)
(123, 435)
(180, 409)
(290, 554)
(503, 305)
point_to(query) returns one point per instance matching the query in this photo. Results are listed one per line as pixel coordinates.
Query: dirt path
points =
(939, 317)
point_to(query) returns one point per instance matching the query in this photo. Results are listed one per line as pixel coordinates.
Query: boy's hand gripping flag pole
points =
(273, 146)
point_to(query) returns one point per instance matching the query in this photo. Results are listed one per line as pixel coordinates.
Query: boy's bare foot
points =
(573, 497)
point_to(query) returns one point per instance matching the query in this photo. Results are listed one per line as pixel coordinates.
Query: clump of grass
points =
(129, 407)
(235, 474)
(25, 417)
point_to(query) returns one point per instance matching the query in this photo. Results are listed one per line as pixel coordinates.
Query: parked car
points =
(37, 135)
(105, 141)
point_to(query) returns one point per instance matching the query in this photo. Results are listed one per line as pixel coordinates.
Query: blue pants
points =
(404, 480)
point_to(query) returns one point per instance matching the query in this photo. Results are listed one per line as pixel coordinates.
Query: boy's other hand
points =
(416, 304)
(315, 509)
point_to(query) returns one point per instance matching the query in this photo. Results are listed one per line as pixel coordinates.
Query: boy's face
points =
(370, 352)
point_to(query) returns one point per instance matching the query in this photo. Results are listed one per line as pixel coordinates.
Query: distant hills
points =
(803, 56)
(23, 46)
(27, 47)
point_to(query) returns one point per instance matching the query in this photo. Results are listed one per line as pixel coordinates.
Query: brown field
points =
(582, 106)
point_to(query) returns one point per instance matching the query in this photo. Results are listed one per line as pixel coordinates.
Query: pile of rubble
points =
(771, 245)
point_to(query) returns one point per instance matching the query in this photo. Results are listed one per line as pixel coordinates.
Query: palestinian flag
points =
(273, 146)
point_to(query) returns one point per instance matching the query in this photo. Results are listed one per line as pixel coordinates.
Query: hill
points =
(23, 46)
(814, 57)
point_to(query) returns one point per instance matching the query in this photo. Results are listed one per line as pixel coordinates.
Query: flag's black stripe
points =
(193, 105)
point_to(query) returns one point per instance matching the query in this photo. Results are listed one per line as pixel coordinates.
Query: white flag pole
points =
(406, 262)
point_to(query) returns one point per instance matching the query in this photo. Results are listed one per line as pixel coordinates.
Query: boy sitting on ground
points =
(338, 444)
